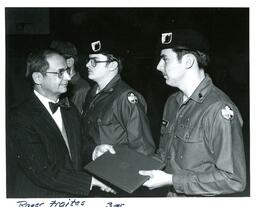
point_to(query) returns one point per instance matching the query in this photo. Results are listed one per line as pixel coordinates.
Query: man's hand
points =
(102, 186)
(101, 149)
(157, 178)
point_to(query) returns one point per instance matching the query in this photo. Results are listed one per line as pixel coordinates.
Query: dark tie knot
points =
(64, 103)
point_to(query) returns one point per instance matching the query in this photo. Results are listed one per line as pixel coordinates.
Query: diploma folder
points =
(122, 169)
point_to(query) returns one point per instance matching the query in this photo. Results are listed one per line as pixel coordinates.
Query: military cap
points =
(105, 46)
(67, 49)
(187, 39)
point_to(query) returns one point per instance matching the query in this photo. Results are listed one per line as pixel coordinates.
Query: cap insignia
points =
(96, 46)
(166, 38)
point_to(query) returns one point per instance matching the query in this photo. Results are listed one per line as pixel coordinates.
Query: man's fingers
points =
(108, 190)
(111, 150)
(145, 172)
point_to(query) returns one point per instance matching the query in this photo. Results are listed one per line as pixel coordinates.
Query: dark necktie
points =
(64, 103)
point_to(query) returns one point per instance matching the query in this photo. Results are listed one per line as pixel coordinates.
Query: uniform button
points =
(200, 95)
(18, 156)
(181, 157)
(111, 89)
(98, 120)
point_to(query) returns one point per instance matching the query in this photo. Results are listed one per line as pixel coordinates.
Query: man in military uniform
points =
(201, 134)
(113, 112)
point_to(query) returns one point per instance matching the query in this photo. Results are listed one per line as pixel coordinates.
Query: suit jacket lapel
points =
(71, 131)
(42, 112)
(42, 115)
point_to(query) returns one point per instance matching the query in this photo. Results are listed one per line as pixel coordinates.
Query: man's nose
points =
(88, 63)
(160, 65)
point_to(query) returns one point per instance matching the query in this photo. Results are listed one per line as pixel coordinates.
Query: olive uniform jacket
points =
(42, 166)
(202, 143)
(117, 115)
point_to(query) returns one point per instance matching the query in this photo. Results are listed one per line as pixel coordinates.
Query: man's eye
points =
(61, 71)
(165, 59)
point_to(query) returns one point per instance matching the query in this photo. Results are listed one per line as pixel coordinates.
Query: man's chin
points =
(90, 76)
(63, 89)
(169, 83)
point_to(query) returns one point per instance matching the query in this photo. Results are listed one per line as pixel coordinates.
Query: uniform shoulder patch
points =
(227, 113)
(132, 98)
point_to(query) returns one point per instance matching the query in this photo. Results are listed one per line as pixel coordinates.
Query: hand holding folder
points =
(122, 169)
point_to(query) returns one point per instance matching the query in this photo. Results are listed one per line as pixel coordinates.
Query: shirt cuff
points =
(178, 182)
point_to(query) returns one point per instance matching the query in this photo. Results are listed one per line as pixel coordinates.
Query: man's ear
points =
(113, 65)
(188, 60)
(70, 62)
(37, 77)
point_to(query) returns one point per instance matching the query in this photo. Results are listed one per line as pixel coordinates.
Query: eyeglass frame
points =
(60, 73)
(94, 61)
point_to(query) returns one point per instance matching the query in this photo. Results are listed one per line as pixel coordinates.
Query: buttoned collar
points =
(201, 91)
(110, 86)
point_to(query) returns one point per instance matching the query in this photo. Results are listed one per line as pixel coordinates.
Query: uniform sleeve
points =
(131, 112)
(32, 157)
(223, 129)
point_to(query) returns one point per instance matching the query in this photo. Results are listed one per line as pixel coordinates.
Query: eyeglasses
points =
(61, 72)
(94, 62)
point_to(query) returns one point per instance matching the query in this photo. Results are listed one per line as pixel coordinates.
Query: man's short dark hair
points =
(202, 58)
(37, 62)
(112, 57)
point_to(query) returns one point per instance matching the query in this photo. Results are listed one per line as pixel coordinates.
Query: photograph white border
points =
(102, 202)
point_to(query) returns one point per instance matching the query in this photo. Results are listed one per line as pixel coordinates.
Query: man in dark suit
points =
(44, 136)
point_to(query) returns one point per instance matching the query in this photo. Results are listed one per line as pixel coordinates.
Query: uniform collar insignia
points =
(165, 123)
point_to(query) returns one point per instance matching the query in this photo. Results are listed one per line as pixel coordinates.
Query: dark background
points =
(137, 29)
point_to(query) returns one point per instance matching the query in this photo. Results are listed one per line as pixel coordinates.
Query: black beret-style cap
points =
(184, 39)
(105, 46)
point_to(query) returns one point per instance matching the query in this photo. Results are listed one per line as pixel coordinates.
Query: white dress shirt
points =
(56, 116)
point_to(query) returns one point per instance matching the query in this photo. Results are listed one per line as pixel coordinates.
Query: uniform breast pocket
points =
(103, 122)
(189, 146)
(188, 134)
(110, 131)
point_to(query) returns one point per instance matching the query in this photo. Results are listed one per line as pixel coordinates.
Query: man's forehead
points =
(166, 52)
(98, 56)
(56, 61)
(54, 57)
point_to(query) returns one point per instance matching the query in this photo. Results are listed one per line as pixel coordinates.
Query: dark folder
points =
(122, 169)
